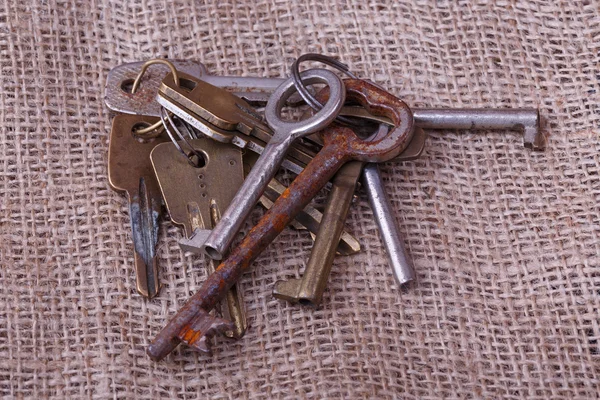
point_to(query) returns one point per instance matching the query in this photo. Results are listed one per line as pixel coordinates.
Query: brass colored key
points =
(187, 190)
(309, 289)
(195, 196)
(224, 117)
(130, 171)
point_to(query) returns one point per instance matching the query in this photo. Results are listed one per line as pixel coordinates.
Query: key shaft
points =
(309, 289)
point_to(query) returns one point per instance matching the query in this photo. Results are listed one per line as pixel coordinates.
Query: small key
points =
(188, 191)
(130, 171)
(285, 133)
(117, 92)
(341, 146)
(194, 196)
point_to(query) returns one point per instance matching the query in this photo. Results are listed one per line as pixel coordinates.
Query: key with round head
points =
(284, 134)
(340, 146)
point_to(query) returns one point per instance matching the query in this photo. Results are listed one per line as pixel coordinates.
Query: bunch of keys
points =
(337, 154)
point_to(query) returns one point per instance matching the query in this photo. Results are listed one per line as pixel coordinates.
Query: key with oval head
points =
(192, 323)
(284, 134)
(130, 171)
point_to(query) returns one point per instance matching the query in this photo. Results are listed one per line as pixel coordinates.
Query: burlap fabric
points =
(505, 241)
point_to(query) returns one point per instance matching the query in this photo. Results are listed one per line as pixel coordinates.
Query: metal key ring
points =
(136, 84)
(291, 130)
(303, 91)
(169, 125)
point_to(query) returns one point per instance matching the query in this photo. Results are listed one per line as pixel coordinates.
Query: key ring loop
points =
(170, 126)
(303, 91)
(290, 130)
(136, 85)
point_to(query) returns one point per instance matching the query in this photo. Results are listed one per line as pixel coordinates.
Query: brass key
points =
(195, 196)
(130, 171)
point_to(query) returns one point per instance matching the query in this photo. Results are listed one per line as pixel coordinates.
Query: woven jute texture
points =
(506, 241)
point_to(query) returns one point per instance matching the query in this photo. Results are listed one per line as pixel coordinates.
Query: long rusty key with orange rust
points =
(193, 324)
(130, 171)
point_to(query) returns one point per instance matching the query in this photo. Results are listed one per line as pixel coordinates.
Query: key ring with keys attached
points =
(136, 85)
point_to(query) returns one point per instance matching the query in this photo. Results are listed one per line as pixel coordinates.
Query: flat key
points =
(117, 92)
(341, 146)
(130, 171)
(223, 117)
(188, 191)
(194, 195)
(284, 134)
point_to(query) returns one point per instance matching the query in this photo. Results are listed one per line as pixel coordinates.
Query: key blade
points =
(130, 171)
(145, 212)
(117, 92)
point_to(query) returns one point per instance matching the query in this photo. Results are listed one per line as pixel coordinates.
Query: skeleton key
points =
(130, 171)
(266, 166)
(192, 323)
(194, 197)
(309, 289)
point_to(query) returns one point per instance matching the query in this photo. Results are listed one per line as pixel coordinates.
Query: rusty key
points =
(192, 323)
(130, 171)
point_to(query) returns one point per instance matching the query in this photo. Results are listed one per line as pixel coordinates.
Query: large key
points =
(284, 134)
(130, 171)
(192, 323)
(194, 196)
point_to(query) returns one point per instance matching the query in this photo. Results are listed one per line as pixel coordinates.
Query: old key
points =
(195, 194)
(192, 323)
(284, 134)
(130, 171)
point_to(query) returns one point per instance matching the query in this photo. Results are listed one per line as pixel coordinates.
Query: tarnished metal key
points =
(118, 96)
(194, 196)
(309, 289)
(192, 323)
(188, 191)
(284, 134)
(117, 92)
(130, 171)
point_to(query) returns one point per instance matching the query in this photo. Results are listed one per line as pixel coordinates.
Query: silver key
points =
(284, 134)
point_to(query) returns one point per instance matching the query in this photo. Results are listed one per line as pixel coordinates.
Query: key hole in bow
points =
(197, 159)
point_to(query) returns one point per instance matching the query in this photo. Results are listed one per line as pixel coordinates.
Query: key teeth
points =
(201, 329)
